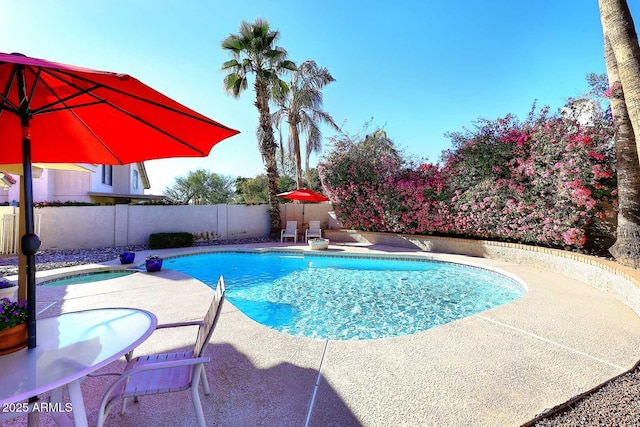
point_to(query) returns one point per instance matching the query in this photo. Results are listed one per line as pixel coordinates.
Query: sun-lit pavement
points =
(501, 367)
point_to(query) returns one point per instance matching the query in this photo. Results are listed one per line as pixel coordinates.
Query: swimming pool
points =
(344, 298)
(86, 278)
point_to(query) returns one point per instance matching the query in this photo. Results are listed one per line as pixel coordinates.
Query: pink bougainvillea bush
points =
(359, 179)
(547, 181)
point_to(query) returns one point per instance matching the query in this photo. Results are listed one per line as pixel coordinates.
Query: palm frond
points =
(230, 64)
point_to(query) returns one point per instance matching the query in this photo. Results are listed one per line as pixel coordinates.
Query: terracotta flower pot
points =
(13, 338)
(153, 265)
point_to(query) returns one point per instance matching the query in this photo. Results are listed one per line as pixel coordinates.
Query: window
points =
(107, 174)
(135, 179)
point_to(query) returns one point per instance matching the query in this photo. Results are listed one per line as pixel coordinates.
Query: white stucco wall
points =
(73, 227)
(80, 227)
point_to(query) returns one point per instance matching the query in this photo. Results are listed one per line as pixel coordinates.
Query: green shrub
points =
(170, 240)
(57, 203)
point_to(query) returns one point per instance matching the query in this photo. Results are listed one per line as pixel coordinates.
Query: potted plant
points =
(8, 289)
(153, 263)
(13, 325)
(127, 257)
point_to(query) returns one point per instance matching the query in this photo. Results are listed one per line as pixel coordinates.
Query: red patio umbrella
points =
(303, 195)
(57, 113)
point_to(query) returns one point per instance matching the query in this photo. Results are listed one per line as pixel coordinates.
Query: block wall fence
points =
(87, 227)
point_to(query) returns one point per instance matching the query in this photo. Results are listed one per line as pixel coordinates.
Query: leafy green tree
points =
(286, 183)
(301, 107)
(254, 52)
(313, 180)
(201, 187)
(252, 190)
(256, 190)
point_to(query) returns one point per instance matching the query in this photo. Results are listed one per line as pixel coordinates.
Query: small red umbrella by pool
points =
(58, 113)
(303, 195)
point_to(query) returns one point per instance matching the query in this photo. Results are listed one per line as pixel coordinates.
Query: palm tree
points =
(254, 52)
(622, 59)
(618, 28)
(301, 106)
(626, 248)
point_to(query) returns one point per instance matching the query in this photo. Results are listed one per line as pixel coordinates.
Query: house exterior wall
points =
(71, 185)
(131, 177)
(122, 180)
(63, 186)
(42, 189)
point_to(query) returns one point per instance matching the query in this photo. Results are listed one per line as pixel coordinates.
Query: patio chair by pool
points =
(166, 373)
(313, 231)
(290, 231)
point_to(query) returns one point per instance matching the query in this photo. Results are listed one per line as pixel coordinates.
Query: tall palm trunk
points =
(626, 249)
(295, 136)
(268, 149)
(618, 27)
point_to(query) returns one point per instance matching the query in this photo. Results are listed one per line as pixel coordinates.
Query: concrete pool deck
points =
(501, 367)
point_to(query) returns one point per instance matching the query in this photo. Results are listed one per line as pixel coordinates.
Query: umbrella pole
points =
(30, 242)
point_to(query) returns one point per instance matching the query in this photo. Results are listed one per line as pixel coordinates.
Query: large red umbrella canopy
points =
(304, 195)
(79, 115)
(58, 113)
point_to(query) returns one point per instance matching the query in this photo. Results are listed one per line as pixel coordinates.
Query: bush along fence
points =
(548, 181)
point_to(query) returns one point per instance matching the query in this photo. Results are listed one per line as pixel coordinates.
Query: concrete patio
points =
(501, 367)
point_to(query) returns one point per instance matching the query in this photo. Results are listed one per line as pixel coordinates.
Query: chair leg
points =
(197, 405)
(205, 382)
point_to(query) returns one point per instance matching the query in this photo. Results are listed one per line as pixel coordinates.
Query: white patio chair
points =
(170, 372)
(313, 231)
(290, 231)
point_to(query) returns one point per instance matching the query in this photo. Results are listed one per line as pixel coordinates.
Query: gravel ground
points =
(614, 403)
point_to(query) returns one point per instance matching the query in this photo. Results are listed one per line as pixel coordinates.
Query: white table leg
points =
(60, 418)
(75, 395)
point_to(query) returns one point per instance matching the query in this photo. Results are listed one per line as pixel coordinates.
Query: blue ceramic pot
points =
(127, 257)
(154, 265)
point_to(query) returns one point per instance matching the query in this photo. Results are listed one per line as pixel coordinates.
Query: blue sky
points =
(417, 68)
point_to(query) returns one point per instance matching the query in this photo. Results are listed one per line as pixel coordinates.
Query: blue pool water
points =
(344, 298)
(87, 278)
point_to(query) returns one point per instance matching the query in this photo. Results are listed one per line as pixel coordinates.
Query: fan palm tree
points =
(619, 30)
(301, 107)
(622, 59)
(626, 248)
(254, 51)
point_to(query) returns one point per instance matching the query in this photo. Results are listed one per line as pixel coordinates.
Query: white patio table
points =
(69, 347)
